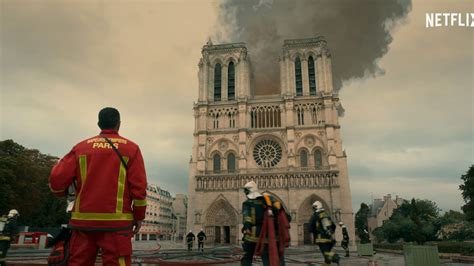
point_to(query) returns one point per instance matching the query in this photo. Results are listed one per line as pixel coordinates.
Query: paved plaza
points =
(174, 253)
(304, 255)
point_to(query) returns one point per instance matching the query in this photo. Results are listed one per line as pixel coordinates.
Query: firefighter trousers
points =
(345, 246)
(249, 252)
(116, 248)
(329, 253)
(4, 246)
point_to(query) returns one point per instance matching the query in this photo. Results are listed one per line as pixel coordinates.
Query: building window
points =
(216, 121)
(300, 114)
(217, 82)
(312, 76)
(217, 163)
(303, 158)
(231, 162)
(314, 117)
(267, 153)
(231, 81)
(231, 120)
(298, 77)
(265, 117)
(318, 159)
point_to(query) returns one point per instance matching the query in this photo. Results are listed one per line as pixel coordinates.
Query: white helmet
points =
(13, 213)
(317, 205)
(251, 190)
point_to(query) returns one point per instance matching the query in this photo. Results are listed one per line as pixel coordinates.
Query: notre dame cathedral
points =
(289, 144)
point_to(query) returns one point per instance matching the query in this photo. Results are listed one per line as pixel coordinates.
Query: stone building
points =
(381, 210)
(289, 143)
(180, 209)
(158, 219)
(165, 222)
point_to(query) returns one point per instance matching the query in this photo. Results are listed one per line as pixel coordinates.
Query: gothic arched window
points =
(318, 159)
(217, 82)
(231, 162)
(298, 77)
(312, 76)
(300, 114)
(303, 158)
(216, 121)
(217, 163)
(231, 81)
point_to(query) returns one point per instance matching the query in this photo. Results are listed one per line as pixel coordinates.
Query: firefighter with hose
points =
(265, 227)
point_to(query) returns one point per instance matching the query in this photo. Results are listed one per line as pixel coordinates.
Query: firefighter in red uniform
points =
(111, 193)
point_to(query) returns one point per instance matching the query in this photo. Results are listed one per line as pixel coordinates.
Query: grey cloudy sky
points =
(408, 132)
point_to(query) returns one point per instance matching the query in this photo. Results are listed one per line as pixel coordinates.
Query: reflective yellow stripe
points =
(253, 215)
(323, 240)
(252, 238)
(267, 199)
(277, 205)
(121, 186)
(53, 190)
(5, 238)
(122, 261)
(102, 216)
(83, 168)
(139, 203)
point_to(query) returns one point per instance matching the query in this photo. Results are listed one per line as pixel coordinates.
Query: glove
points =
(270, 212)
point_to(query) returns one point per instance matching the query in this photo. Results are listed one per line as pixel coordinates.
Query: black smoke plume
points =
(357, 32)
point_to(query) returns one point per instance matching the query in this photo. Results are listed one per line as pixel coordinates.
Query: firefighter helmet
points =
(251, 190)
(13, 213)
(317, 205)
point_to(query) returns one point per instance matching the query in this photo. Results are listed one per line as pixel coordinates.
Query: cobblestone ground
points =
(305, 255)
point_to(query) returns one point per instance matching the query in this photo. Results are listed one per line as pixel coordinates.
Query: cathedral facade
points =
(289, 143)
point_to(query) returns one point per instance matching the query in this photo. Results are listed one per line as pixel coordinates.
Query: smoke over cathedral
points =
(359, 33)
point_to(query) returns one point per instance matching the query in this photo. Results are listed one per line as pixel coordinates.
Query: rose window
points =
(267, 153)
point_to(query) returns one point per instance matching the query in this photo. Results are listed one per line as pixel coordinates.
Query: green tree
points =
(24, 186)
(361, 223)
(467, 189)
(412, 221)
(451, 217)
(465, 232)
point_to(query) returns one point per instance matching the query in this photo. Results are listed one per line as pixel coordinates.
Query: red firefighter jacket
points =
(107, 195)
